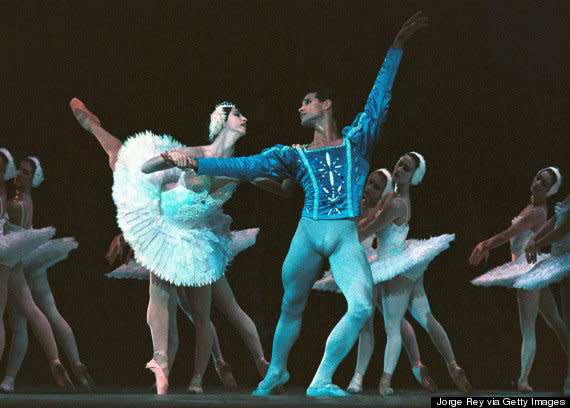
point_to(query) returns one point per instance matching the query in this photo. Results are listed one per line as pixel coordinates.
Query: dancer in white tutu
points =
(400, 268)
(553, 268)
(130, 269)
(174, 222)
(20, 300)
(376, 189)
(530, 302)
(35, 267)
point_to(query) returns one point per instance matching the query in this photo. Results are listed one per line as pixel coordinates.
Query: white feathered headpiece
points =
(11, 170)
(389, 184)
(556, 186)
(218, 118)
(420, 170)
(38, 173)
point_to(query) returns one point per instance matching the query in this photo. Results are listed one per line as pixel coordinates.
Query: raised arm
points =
(530, 221)
(365, 130)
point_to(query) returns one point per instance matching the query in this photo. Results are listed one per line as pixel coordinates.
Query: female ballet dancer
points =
(530, 302)
(130, 269)
(376, 189)
(20, 212)
(553, 268)
(400, 267)
(35, 267)
(174, 222)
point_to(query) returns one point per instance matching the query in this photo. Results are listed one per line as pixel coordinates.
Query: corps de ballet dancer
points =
(130, 269)
(174, 222)
(530, 302)
(399, 272)
(555, 267)
(376, 189)
(35, 267)
(19, 296)
(331, 170)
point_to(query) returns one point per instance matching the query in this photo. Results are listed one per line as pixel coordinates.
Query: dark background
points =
(483, 94)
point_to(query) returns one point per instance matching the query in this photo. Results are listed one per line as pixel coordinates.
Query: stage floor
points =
(142, 398)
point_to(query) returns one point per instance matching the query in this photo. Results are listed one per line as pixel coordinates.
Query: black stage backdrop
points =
(483, 94)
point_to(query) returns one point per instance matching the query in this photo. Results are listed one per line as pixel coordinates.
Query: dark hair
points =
(323, 93)
(414, 157)
(226, 110)
(553, 174)
(31, 162)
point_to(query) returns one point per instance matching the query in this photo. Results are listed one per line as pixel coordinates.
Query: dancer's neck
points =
(326, 134)
(224, 144)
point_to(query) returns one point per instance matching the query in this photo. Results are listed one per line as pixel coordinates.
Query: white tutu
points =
(17, 242)
(241, 240)
(412, 261)
(47, 255)
(551, 269)
(505, 274)
(181, 235)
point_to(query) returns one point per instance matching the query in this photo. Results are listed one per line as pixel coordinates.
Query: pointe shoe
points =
(7, 386)
(460, 379)
(523, 386)
(61, 377)
(224, 372)
(326, 390)
(262, 366)
(161, 379)
(82, 375)
(195, 386)
(355, 386)
(427, 382)
(384, 388)
(85, 118)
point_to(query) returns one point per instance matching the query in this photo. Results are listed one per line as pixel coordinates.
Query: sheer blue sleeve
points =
(364, 132)
(278, 162)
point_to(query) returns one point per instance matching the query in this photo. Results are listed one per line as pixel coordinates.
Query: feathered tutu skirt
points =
(16, 242)
(412, 262)
(180, 235)
(551, 269)
(240, 241)
(506, 274)
(47, 255)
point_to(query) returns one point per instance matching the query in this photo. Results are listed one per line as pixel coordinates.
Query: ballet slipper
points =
(82, 375)
(421, 374)
(271, 384)
(195, 386)
(326, 390)
(523, 386)
(61, 377)
(85, 118)
(460, 379)
(7, 386)
(355, 386)
(384, 388)
(224, 372)
(161, 379)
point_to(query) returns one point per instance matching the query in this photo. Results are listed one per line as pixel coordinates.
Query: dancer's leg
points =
(91, 123)
(172, 329)
(528, 301)
(198, 300)
(549, 311)
(4, 277)
(365, 350)
(226, 303)
(158, 319)
(301, 269)
(420, 309)
(18, 346)
(351, 272)
(395, 299)
(20, 294)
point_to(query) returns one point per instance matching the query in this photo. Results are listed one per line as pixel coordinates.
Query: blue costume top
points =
(332, 177)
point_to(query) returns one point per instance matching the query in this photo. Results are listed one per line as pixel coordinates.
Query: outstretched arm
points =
(528, 222)
(546, 235)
